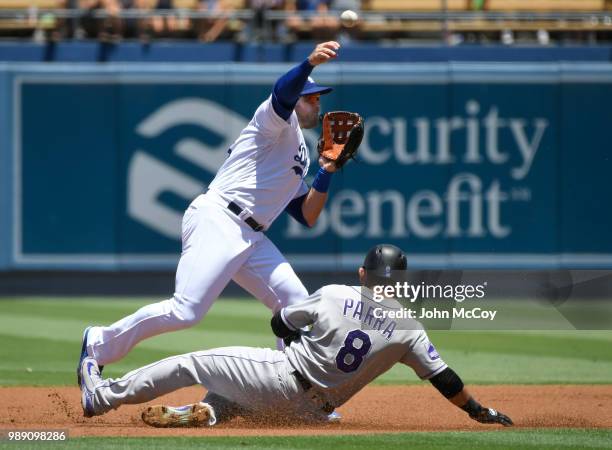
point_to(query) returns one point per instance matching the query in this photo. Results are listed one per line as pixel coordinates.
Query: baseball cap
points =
(313, 88)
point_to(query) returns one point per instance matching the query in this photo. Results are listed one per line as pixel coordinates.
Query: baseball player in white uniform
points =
(222, 230)
(339, 343)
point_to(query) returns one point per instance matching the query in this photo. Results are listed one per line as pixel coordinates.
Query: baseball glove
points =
(340, 137)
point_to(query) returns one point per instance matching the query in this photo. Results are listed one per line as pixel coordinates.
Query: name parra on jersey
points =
(266, 165)
(347, 346)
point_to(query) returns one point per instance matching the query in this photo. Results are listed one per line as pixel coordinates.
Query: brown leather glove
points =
(341, 135)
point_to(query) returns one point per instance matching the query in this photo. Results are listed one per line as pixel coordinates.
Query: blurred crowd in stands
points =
(106, 19)
(212, 20)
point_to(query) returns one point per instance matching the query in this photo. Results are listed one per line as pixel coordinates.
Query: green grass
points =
(505, 439)
(40, 343)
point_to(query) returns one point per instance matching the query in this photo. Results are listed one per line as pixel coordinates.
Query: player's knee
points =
(190, 320)
(186, 313)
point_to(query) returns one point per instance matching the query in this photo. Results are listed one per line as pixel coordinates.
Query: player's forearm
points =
(461, 399)
(467, 403)
(316, 197)
(313, 205)
(451, 386)
(478, 412)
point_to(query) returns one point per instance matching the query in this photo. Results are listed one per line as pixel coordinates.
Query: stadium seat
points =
(415, 5)
(546, 5)
(27, 24)
(185, 4)
(25, 4)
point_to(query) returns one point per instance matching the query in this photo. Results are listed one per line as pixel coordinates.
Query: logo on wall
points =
(472, 203)
(149, 177)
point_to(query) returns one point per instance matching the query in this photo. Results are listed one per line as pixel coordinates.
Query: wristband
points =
(321, 180)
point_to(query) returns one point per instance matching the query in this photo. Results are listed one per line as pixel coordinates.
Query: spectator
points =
(136, 27)
(168, 25)
(68, 27)
(479, 5)
(259, 28)
(209, 29)
(107, 28)
(323, 26)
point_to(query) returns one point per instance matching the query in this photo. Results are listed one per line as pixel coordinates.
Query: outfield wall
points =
(189, 52)
(463, 164)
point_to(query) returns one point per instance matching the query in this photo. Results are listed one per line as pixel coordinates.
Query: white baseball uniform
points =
(345, 348)
(263, 172)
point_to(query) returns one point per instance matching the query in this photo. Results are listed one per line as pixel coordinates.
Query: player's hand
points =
(327, 164)
(489, 415)
(323, 53)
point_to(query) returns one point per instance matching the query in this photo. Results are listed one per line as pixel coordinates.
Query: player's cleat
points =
(84, 355)
(196, 415)
(90, 378)
(334, 417)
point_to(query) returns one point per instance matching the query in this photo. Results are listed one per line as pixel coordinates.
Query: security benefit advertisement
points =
(478, 168)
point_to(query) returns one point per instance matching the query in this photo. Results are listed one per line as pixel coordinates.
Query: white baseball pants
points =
(257, 380)
(217, 247)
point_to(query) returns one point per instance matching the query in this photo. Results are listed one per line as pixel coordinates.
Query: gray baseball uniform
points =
(350, 343)
(347, 345)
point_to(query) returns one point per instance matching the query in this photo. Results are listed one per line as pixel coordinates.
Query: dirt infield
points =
(376, 409)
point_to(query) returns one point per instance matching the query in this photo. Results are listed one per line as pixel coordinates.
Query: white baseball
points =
(349, 18)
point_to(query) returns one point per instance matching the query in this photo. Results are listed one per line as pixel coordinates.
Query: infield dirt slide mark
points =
(376, 409)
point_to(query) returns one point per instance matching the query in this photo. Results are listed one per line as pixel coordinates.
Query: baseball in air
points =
(349, 18)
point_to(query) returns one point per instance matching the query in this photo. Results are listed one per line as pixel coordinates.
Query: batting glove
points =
(489, 415)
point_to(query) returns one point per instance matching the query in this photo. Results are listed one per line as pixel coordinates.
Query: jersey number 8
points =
(356, 353)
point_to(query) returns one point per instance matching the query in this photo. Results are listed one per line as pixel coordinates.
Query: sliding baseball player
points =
(338, 344)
